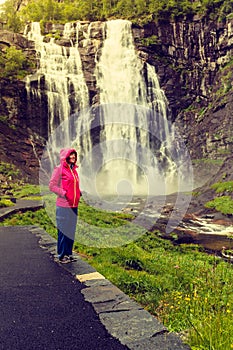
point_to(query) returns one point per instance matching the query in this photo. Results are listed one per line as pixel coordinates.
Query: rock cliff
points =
(193, 60)
(194, 63)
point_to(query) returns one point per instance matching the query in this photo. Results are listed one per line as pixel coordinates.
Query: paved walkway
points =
(41, 304)
(49, 306)
(20, 205)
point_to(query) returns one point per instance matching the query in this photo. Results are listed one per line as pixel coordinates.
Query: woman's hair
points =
(67, 159)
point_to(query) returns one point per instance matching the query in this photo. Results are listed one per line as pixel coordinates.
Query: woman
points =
(65, 183)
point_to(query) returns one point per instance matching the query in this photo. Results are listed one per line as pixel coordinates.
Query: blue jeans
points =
(66, 225)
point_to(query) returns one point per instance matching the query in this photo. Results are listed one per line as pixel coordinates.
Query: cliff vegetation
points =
(13, 63)
(16, 13)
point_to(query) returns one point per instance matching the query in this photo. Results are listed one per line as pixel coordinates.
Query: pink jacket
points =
(65, 181)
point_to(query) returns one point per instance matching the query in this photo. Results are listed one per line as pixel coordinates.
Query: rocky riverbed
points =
(197, 225)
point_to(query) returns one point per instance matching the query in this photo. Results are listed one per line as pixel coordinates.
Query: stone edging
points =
(123, 318)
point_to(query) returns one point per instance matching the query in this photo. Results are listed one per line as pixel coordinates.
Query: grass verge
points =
(223, 202)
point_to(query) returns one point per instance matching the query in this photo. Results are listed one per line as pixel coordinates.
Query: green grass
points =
(188, 290)
(39, 217)
(13, 186)
(34, 197)
(6, 203)
(185, 288)
(99, 228)
(223, 203)
(8, 170)
(208, 161)
(221, 187)
(26, 190)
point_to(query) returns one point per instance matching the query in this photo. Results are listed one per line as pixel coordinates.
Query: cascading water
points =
(133, 116)
(61, 68)
(134, 149)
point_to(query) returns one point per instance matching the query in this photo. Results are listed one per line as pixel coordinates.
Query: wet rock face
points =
(187, 56)
(22, 147)
(207, 128)
(10, 38)
(193, 61)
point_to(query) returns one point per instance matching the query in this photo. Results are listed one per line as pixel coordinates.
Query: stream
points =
(212, 231)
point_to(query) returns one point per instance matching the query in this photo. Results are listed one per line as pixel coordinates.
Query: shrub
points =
(13, 64)
(223, 204)
(221, 187)
(8, 170)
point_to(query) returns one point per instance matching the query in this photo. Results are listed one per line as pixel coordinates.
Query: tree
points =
(126, 8)
(155, 6)
(141, 7)
(10, 14)
(138, 11)
(13, 63)
(108, 8)
(70, 12)
(47, 10)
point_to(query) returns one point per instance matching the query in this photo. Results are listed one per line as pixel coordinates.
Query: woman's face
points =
(72, 158)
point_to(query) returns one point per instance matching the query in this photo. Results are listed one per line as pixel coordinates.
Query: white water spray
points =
(127, 131)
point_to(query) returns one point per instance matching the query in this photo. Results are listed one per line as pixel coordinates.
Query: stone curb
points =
(123, 318)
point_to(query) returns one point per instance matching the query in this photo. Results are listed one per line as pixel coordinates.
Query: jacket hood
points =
(65, 153)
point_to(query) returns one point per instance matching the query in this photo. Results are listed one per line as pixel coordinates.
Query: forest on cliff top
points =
(15, 13)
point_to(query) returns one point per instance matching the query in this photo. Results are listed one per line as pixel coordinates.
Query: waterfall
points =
(133, 118)
(61, 68)
(126, 143)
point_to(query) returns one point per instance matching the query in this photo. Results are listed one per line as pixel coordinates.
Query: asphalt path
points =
(41, 303)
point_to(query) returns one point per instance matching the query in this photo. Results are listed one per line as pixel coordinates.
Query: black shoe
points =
(71, 258)
(64, 260)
